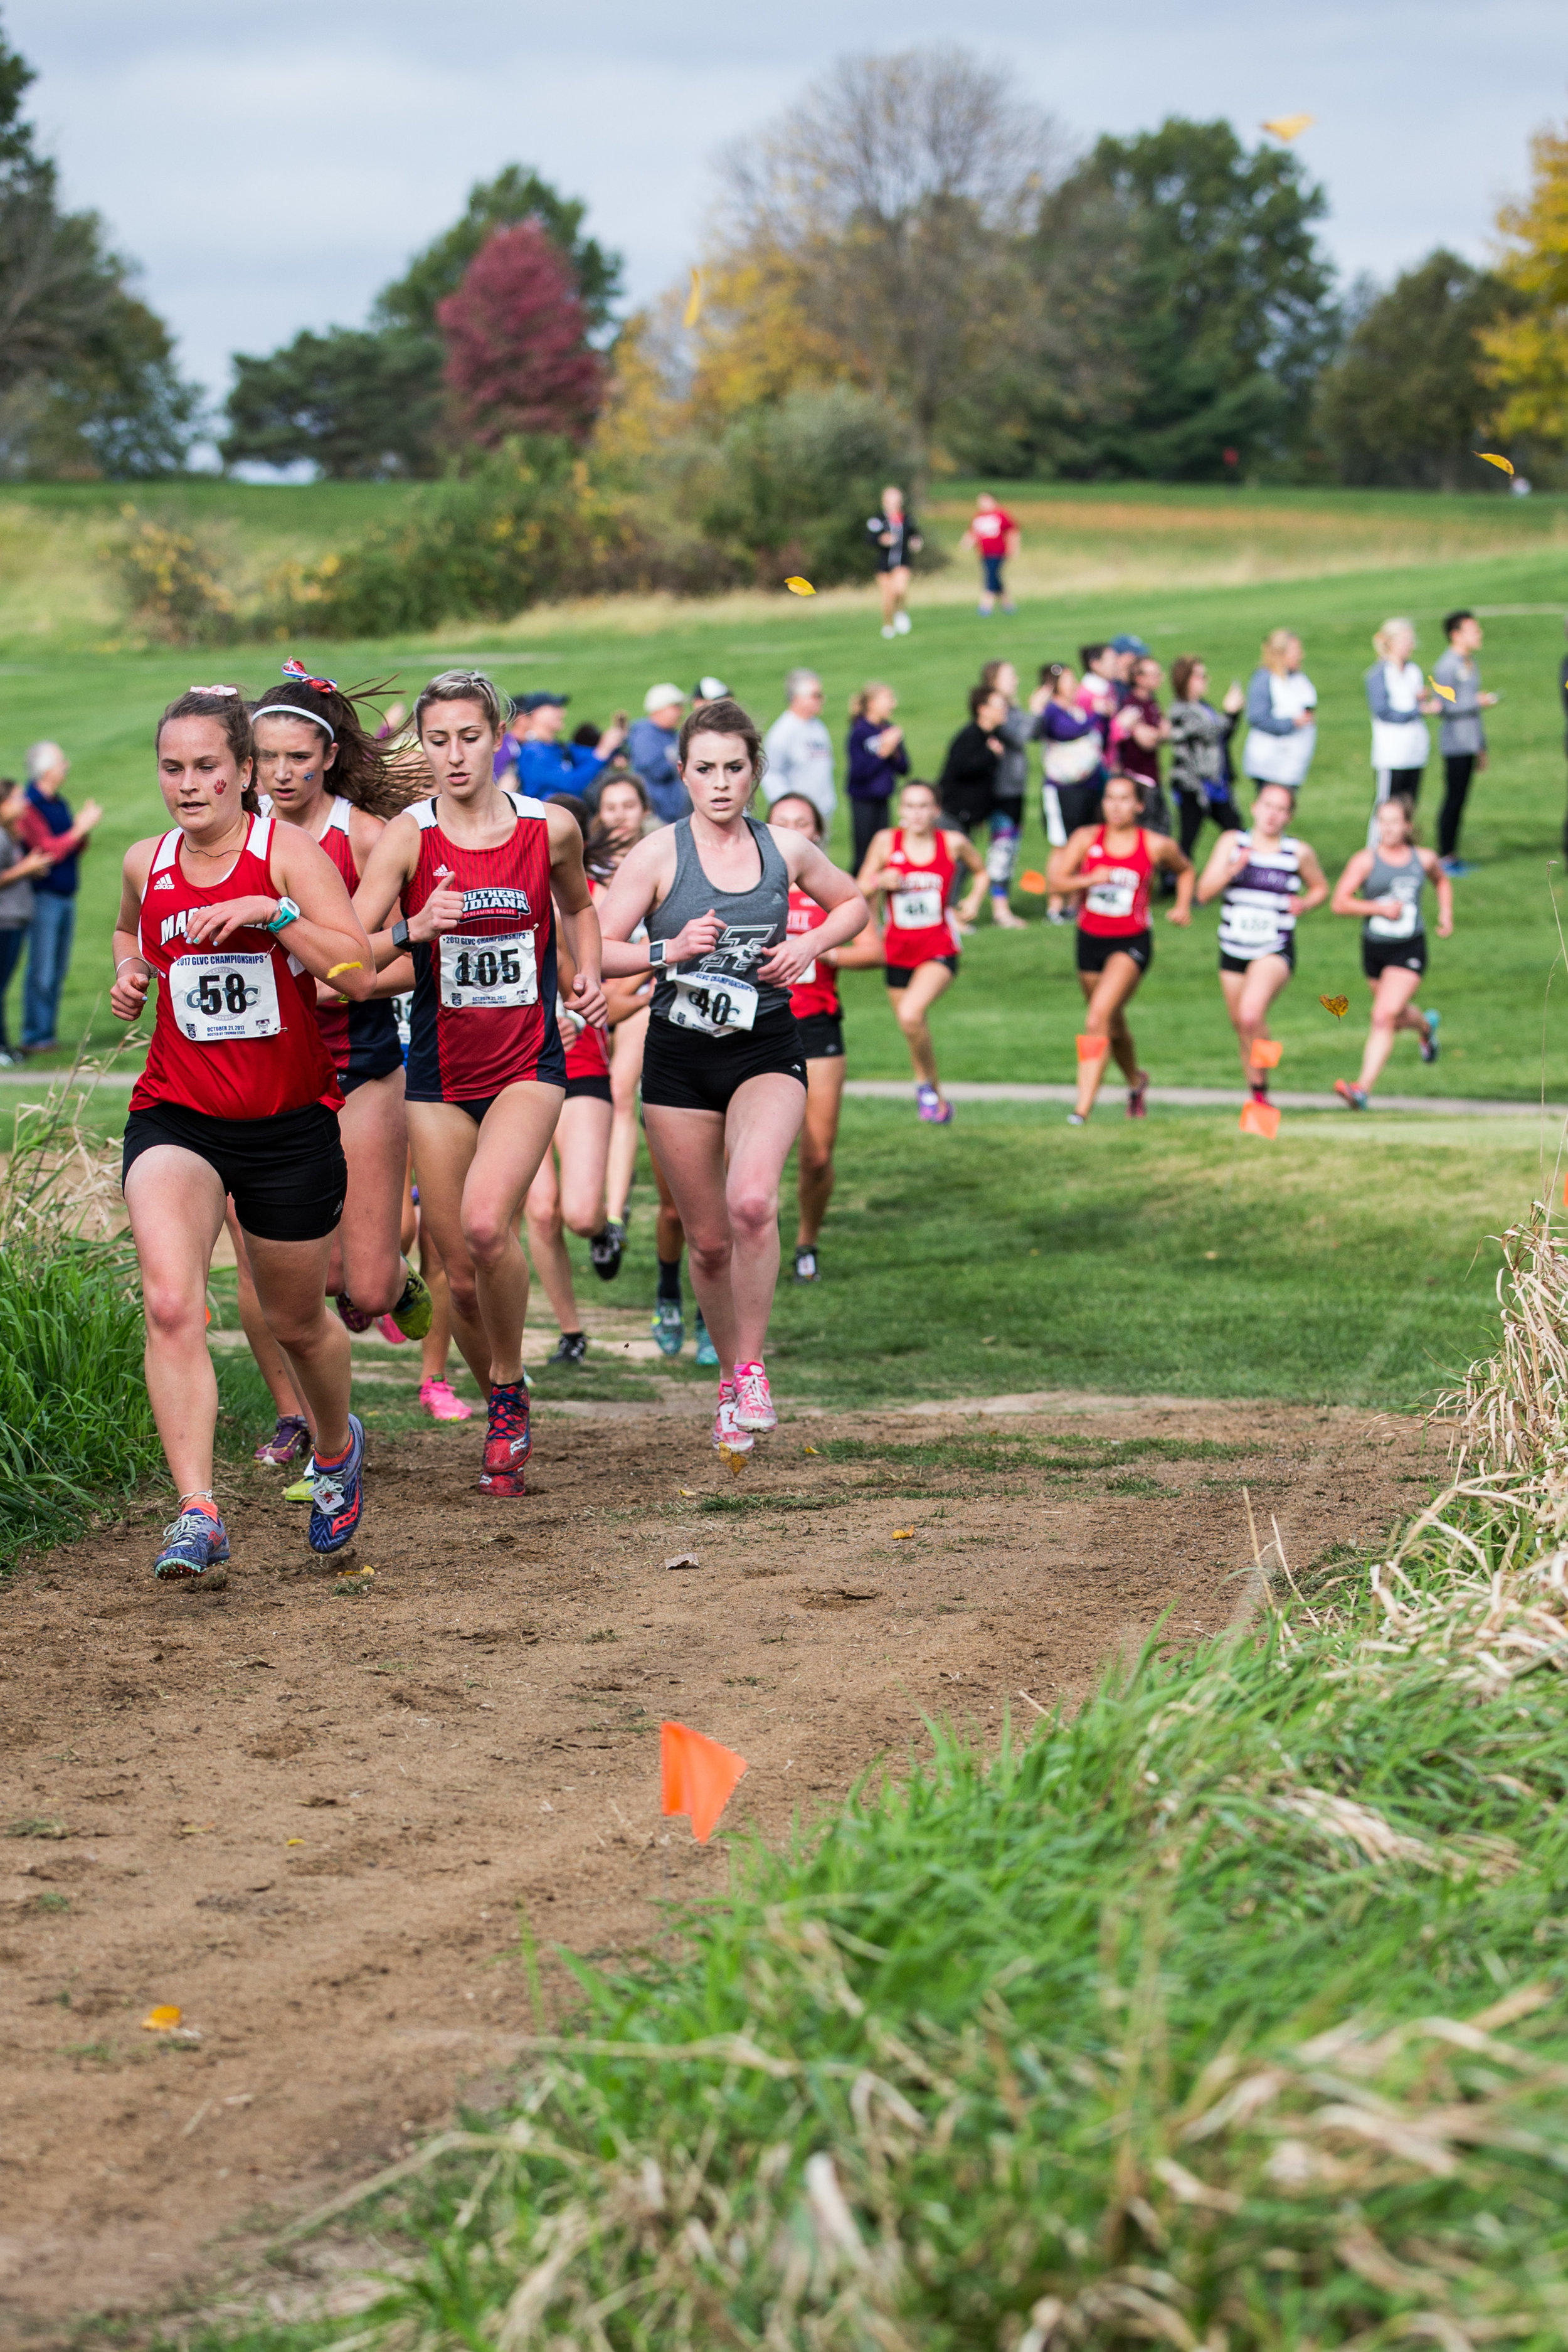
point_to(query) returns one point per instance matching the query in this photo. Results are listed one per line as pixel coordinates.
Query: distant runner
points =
(1267, 880)
(994, 537)
(1386, 887)
(915, 867)
(894, 539)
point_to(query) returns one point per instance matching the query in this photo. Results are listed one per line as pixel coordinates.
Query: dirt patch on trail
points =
(306, 1816)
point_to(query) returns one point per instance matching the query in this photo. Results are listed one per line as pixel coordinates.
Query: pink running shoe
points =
(753, 1405)
(354, 1316)
(729, 1437)
(442, 1402)
(389, 1331)
(931, 1107)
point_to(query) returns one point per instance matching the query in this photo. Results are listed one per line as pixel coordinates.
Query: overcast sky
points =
(271, 167)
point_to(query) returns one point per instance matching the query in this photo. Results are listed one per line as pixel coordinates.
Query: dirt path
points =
(306, 1815)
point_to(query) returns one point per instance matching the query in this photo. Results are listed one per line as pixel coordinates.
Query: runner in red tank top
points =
(236, 918)
(1111, 866)
(819, 1016)
(475, 869)
(915, 867)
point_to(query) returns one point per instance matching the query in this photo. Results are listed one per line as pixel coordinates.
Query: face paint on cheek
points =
(219, 787)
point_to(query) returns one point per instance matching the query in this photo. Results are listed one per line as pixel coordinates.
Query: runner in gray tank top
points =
(723, 1081)
(1385, 886)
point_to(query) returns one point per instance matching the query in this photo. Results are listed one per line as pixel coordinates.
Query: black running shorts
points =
(899, 975)
(1245, 964)
(1095, 953)
(822, 1036)
(595, 1084)
(287, 1175)
(1378, 956)
(683, 1070)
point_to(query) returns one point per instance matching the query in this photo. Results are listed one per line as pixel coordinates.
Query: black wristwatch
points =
(400, 933)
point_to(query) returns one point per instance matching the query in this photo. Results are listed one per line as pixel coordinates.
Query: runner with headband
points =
(724, 1079)
(1110, 867)
(914, 865)
(1267, 880)
(482, 876)
(235, 917)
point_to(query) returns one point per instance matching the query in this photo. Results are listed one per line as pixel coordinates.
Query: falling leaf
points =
(1490, 457)
(1445, 691)
(694, 300)
(683, 1560)
(903, 1535)
(1266, 1053)
(1035, 884)
(814, 1449)
(1289, 126)
(1337, 1005)
(195, 1828)
(345, 1573)
(165, 2018)
(1260, 1118)
(689, 1493)
(293, 1841)
(799, 587)
(358, 966)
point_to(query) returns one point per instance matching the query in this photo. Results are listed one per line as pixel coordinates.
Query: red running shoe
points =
(509, 1441)
(1138, 1096)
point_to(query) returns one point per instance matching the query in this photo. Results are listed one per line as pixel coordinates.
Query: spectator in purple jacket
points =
(878, 758)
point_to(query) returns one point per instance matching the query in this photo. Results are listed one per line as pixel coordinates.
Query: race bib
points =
(918, 910)
(1394, 927)
(1112, 899)
(719, 1008)
(219, 998)
(1252, 927)
(488, 975)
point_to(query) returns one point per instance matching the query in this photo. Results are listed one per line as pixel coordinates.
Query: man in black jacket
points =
(968, 784)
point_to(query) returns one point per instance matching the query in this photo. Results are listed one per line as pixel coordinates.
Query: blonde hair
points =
(1382, 637)
(1272, 653)
(859, 699)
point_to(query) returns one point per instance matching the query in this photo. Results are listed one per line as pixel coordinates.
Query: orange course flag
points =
(699, 1776)
(1266, 1053)
(1092, 1049)
(1035, 884)
(1260, 1118)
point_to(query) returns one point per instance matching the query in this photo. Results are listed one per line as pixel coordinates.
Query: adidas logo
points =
(164, 882)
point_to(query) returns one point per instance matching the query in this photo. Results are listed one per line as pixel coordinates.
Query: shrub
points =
(175, 593)
(796, 482)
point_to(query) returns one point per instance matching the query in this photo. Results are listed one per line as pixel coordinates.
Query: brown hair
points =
(988, 672)
(366, 770)
(979, 696)
(225, 705)
(725, 716)
(1182, 669)
(806, 802)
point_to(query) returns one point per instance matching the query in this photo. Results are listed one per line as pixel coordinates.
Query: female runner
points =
(1267, 881)
(1111, 866)
(915, 867)
(1385, 886)
(723, 1084)
(237, 917)
(820, 1017)
(477, 869)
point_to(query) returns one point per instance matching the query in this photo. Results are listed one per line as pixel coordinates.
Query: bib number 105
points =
(488, 975)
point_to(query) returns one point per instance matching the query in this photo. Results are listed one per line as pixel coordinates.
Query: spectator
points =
(1281, 714)
(967, 786)
(1100, 694)
(546, 766)
(1018, 729)
(894, 539)
(651, 747)
(1200, 750)
(45, 823)
(1563, 692)
(18, 866)
(878, 758)
(1137, 731)
(994, 537)
(588, 735)
(800, 749)
(1128, 650)
(1400, 743)
(1073, 766)
(709, 690)
(1462, 739)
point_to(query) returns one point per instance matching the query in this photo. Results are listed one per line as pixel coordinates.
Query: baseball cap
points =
(540, 701)
(1127, 643)
(659, 698)
(709, 690)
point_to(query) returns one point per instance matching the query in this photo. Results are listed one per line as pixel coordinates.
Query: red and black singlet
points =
(235, 1033)
(1116, 905)
(816, 990)
(588, 1054)
(919, 927)
(484, 996)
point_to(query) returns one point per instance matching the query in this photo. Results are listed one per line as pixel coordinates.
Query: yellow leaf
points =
(689, 1493)
(1490, 457)
(293, 1841)
(694, 300)
(814, 1449)
(195, 1828)
(1289, 126)
(162, 2019)
(903, 1535)
(1445, 691)
(799, 587)
(358, 966)
(1337, 1005)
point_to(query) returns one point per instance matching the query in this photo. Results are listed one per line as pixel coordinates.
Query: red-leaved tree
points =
(517, 354)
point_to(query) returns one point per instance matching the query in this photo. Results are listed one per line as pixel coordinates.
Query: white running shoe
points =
(889, 632)
(753, 1405)
(902, 624)
(729, 1437)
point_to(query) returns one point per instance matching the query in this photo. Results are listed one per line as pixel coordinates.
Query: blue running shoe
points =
(707, 1353)
(338, 1495)
(669, 1325)
(1429, 1043)
(193, 1544)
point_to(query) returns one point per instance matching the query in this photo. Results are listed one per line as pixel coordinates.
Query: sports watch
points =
(400, 933)
(658, 950)
(288, 912)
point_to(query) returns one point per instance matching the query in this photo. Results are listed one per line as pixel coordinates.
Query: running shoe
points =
(389, 1331)
(442, 1402)
(729, 1437)
(571, 1348)
(1429, 1043)
(351, 1315)
(753, 1405)
(669, 1325)
(415, 1311)
(902, 625)
(605, 1250)
(1455, 866)
(931, 1107)
(707, 1353)
(805, 1267)
(1354, 1095)
(1138, 1096)
(303, 1490)
(1077, 1119)
(890, 631)
(288, 1442)
(195, 1542)
(338, 1495)
(509, 1441)
(1259, 1087)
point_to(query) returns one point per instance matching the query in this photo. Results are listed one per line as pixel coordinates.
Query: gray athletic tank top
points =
(755, 921)
(1406, 883)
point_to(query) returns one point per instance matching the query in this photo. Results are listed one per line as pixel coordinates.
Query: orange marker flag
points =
(699, 1776)
(1092, 1049)
(1035, 884)
(1260, 1118)
(1266, 1053)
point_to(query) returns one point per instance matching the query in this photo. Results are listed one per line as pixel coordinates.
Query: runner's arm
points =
(328, 933)
(1317, 881)
(1062, 874)
(631, 898)
(872, 876)
(1445, 889)
(1224, 863)
(1168, 855)
(965, 851)
(383, 881)
(1347, 898)
(845, 911)
(132, 973)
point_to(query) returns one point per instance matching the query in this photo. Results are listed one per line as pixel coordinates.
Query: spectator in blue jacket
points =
(546, 766)
(50, 828)
(651, 748)
(878, 758)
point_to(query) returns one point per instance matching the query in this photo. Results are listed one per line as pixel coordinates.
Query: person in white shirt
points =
(800, 749)
(1400, 742)
(1281, 714)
